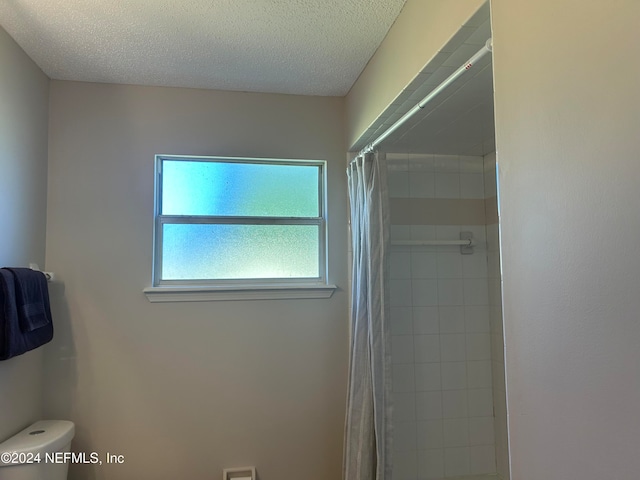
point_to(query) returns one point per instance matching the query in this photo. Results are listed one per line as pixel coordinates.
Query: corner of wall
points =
(24, 89)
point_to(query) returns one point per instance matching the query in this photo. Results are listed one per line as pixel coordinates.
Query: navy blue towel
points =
(32, 298)
(25, 314)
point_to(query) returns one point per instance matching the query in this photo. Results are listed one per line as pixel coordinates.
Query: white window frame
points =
(234, 289)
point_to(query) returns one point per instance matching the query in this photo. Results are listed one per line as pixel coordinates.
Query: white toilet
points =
(43, 437)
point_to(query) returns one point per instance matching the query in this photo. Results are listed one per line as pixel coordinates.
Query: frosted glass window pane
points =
(204, 251)
(239, 189)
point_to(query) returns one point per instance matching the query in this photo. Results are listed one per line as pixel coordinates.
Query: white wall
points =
(567, 116)
(186, 389)
(24, 92)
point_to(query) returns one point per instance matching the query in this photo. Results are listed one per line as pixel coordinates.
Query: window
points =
(236, 223)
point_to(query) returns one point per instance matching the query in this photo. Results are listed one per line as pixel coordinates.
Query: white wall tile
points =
(403, 378)
(402, 349)
(405, 466)
(454, 375)
(476, 319)
(451, 292)
(456, 461)
(448, 232)
(497, 349)
(498, 378)
(480, 402)
(482, 459)
(495, 317)
(452, 319)
(404, 407)
(400, 232)
(471, 164)
(481, 431)
(472, 185)
(397, 161)
(419, 162)
(490, 184)
(442, 301)
(421, 185)
(501, 436)
(454, 404)
(394, 247)
(474, 266)
(479, 374)
(493, 264)
(427, 377)
(476, 291)
(490, 173)
(427, 348)
(502, 463)
(424, 265)
(500, 404)
(401, 320)
(425, 320)
(429, 434)
(398, 184)
(489, 161)
(424, 291)
(447, 185)
(400, 265)
(478, 346)
(446, 163)
(500, 429)
(479, 234)
(431, 464)
(428, 405)
(493, 238)
(494, 291)
(456, 432)
(423, 232)
(404, 436)
(400, 293)
(452, 348)
(449, 265)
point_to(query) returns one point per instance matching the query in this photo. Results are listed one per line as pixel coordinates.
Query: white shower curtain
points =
(367, 453)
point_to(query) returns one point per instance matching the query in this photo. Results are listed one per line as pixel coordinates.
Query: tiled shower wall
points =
(441, 320)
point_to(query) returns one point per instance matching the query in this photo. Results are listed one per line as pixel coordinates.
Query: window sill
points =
(256, 292)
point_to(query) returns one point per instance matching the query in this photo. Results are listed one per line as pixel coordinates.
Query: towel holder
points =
(50, 275)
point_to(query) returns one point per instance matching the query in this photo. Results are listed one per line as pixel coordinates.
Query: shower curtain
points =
(367, 454)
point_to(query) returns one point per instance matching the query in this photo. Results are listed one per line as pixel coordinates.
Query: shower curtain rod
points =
(421, 104)
(466, 243)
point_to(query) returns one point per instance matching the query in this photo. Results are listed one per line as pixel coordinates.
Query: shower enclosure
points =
(449, 413)
(442, 310)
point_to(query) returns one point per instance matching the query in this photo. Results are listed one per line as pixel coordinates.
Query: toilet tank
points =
(41, 438)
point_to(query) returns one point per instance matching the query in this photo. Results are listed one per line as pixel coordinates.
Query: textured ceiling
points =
(307, 47)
